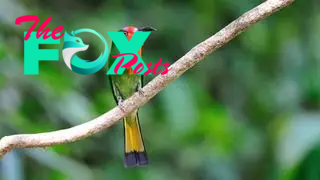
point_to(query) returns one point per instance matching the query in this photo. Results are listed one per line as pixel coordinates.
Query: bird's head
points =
(130, 30)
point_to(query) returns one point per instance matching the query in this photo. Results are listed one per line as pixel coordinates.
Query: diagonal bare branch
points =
(186, 62)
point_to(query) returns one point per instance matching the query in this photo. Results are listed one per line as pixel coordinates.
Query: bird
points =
(123, 86)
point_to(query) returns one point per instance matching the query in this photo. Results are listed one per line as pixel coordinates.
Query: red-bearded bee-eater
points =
(123, 86)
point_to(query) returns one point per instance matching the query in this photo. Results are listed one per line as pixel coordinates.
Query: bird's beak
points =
(147, 29)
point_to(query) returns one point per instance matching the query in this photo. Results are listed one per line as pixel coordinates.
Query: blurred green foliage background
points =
(249, 111)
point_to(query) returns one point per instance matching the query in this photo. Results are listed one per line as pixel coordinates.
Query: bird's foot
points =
(121, 106)
(141, 92)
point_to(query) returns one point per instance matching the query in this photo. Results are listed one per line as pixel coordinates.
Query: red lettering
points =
(56, 31)
(166, 70)
(136, 70)
(156, 65)
(118, 66)
(35, 18)
(25, 18)
(46, 31)
(128, 64)
(132, 62)
(149, 69)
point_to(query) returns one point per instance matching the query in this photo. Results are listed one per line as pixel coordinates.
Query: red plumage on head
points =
(129, 31)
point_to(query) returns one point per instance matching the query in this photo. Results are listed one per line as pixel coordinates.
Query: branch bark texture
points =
(195, 55)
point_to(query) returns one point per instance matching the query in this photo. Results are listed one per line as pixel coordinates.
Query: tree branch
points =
(186, 62)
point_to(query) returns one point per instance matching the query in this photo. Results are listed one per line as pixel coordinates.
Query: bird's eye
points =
(125, 33)
(77, 41)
